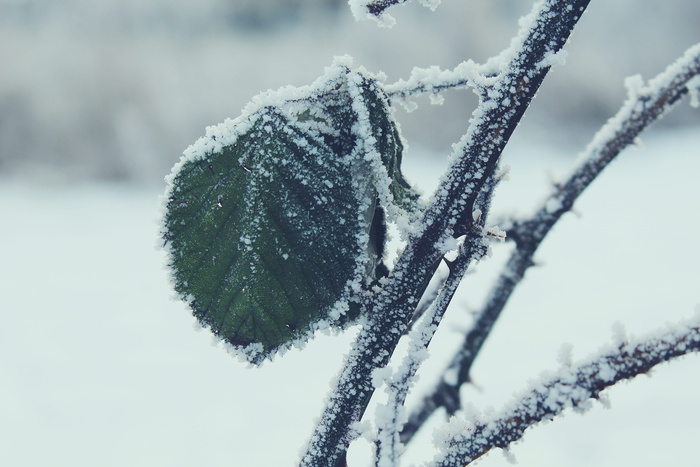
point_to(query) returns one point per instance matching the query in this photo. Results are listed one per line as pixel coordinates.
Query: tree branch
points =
(387, 314)
(392, 418)
(390, 423)
(574, 388)
(645, 105)
(434, 80)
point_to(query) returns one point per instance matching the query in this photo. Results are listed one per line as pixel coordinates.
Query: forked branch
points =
(449, 215)
(646, 104)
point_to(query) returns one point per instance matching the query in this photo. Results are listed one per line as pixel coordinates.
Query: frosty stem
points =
(388, 440)
(433, 80)
(390, 425)
(449, 215)
(645, 105)
(572, 388)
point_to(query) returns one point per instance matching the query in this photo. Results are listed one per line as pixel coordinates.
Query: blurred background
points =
(98, 99)
(117, 89)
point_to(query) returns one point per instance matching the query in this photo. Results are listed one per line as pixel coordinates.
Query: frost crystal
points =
(574, 387)
(553, 58)
(432, 4)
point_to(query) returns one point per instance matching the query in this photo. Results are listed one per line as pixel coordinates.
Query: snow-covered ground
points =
(100, 367)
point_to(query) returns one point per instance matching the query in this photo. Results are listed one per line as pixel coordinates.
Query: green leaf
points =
(388, 143)
(271, 219)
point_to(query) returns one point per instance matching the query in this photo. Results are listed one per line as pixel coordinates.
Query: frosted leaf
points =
(274, 222)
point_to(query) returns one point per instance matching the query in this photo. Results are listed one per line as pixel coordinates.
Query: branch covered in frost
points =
(465, 441)
(392, 414)
(645, 105)
(376, 9)
(433, 80)
(448, 216)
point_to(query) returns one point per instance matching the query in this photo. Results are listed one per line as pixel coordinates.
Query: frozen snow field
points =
(100, 367)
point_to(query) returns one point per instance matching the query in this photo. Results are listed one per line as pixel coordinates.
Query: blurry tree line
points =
(114, 89)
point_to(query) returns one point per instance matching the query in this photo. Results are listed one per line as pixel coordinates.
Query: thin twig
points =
(645, 105)
(467, 440)
(434, 80)
(391, 422)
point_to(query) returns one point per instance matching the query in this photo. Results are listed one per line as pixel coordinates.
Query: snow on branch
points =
(449, 215)
(376, 9)
(646, 104)
(392, 415)
(433, 80)
(465, 440)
